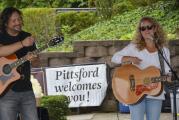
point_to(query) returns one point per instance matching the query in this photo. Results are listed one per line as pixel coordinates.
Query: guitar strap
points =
(162, 71)
(161, 63)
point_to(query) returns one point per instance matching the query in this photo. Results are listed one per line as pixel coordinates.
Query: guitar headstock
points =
(56, 40)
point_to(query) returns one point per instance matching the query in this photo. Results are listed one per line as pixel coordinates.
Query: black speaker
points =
(18, 116)
(166, 104)
(42, 114)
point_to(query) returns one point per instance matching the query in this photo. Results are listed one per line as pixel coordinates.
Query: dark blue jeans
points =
(14, 102)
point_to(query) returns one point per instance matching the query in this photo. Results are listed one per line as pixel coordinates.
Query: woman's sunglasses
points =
(143, 28)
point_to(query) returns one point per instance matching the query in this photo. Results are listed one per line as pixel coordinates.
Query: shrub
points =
(76, 21)
(57, 106)
(121, 7)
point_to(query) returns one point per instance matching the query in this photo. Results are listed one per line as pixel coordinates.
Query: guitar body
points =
(7, 79)
(128, 83)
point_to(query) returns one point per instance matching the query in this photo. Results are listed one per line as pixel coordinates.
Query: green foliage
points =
(78, 3)
(6, 3)
(39, 3)
(57, 106)
(44, 3)
(41, 23)
(139, 3)
(57, 3)
(73, 22)
(69, 3)
(121, 7)
(122, 26)
(104, 8)
(22, 3)
(177, 3)
(91, 3)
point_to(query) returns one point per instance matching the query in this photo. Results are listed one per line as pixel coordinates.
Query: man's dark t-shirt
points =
(23, 84)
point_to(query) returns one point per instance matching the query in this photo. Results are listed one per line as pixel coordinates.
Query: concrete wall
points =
(97, 52)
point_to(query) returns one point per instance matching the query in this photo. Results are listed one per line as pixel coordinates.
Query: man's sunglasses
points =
(143, 28)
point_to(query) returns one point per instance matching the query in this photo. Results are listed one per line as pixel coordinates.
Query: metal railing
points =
(74, 9)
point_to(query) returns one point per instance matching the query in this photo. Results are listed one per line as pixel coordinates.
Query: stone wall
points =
(97, 52)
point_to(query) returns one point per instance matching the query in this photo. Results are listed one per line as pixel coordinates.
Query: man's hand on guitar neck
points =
(134, 60)
(28, 41)
(30, 56)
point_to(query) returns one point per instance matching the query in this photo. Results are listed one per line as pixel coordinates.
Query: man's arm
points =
(6, 50)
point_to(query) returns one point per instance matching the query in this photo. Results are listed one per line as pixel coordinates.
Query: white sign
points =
(85, 85)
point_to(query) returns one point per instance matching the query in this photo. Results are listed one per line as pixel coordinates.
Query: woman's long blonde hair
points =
(160, 35)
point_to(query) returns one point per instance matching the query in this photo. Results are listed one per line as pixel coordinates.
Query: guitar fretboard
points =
(24, 59)
(156, 79)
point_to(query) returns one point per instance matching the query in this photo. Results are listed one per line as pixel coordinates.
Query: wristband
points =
(22, 44)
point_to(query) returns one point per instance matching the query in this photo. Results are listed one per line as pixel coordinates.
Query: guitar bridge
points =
(132, 82)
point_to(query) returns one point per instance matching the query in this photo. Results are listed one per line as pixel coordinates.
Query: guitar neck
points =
(156, 79)
(24, 58)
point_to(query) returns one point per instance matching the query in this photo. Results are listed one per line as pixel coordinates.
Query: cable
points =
(117, 112)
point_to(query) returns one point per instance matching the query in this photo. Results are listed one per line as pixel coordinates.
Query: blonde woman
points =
(142, 52)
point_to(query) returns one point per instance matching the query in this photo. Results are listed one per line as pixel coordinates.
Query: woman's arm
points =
(126, 55)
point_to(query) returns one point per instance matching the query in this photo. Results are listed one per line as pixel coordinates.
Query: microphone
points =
(156, 41)
(154, 38)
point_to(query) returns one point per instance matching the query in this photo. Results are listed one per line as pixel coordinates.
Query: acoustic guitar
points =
(8, 65)
(130, 84)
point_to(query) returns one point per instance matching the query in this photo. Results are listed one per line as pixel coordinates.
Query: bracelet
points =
(22, 44)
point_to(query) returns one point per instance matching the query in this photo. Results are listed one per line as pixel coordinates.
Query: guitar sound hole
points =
(6, 69)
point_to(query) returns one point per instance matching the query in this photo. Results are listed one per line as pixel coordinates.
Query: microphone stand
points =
(175, 82)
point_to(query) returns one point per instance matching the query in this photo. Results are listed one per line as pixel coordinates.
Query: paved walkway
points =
(112, 116)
